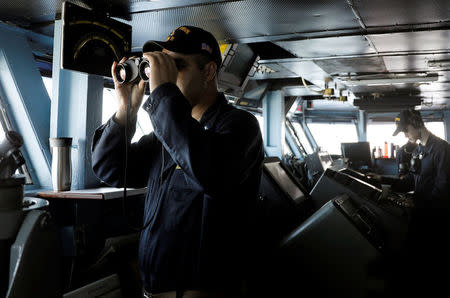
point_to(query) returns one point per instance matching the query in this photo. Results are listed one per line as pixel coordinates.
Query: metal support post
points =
(76, 112)
(274, 127)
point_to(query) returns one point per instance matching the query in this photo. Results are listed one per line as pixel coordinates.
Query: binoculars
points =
(132, 70)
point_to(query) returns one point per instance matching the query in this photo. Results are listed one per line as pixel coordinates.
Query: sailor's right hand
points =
(126, 92)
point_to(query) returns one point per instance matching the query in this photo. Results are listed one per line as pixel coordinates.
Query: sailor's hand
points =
(126, 92)
(162, 69)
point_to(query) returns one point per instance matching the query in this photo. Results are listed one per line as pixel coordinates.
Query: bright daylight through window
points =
(329, 136)
(303, 139)
(380, 133)
(144, 125)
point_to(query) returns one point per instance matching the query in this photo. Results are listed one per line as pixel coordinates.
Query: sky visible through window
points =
(144, 125)
(378, 133)
(329, 136)
(48, 86)
(303, 139)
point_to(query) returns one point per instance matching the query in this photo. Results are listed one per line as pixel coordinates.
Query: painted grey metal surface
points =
(332, 253)
(382, 13)
(332, 46)
(27, 102)
(274, 128)
(34, 264)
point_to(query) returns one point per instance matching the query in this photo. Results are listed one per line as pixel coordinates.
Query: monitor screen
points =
(358, 154)
(278, 173)
(92, 41)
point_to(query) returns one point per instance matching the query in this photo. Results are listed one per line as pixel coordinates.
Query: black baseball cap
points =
(188, 40)
(404, 118)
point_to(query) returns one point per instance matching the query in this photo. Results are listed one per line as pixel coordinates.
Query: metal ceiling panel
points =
(412, 41)
(352, 65)
(147, 6)
(301, 69)
(327, 33)
(328, 47)
(412, 62)
(30, 9)
(306, 69)
(273, 71)
(25, 12)
(401, 12)
(298, 91)
(232, 21)
(309, 71)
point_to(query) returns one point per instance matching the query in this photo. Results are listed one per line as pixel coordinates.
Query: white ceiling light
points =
(431, 77)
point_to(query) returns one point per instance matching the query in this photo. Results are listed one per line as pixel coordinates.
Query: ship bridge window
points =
(48, 85)
(380, 132)
(6, 125)
(437, 128)
(302, 136)
(144, 125)
(329, 136)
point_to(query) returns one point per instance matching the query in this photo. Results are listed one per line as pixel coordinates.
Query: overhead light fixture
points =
(431, 77)
(439, 63)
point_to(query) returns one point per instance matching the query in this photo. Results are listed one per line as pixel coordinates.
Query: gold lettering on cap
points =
(184, 29)
(170, 37)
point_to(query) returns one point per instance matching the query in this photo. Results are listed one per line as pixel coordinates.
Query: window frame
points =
(6, 125)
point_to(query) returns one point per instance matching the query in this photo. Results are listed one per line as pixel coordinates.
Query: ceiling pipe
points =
(431, 77)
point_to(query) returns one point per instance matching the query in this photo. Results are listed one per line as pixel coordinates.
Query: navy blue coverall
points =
(202, 183)
(427, 247)
(403, 158)
(431, 183)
